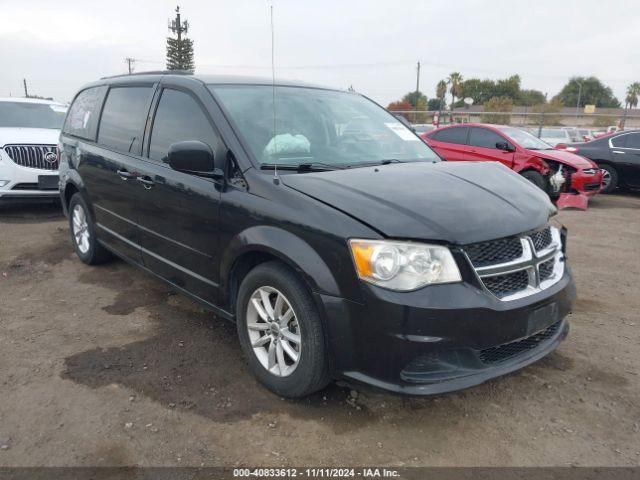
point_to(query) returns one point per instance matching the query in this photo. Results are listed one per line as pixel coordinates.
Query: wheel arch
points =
(261, 244)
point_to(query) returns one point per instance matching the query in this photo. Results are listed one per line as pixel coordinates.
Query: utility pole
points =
(177, 26)
(130, 63)
(415, 114)
(578, 102)
(544, 107)
(24, 82)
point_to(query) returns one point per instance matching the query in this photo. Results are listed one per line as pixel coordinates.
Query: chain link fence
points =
(593, 121)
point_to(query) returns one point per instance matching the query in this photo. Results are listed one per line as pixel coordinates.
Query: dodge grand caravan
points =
(338, 242)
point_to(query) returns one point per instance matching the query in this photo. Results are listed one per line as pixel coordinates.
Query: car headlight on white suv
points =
(403, 266)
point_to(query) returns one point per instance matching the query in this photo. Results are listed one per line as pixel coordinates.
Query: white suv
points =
(29, 130)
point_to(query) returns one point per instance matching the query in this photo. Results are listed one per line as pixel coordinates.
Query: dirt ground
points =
(105, 366)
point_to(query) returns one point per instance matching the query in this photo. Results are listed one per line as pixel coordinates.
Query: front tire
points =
(280, 332)
(609, 178)
(83, 233)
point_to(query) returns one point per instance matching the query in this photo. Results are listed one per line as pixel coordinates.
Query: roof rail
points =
(152, 72)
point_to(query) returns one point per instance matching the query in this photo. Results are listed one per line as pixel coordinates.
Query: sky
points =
(372, 45)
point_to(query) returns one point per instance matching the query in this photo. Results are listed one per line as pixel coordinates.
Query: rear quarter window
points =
(82, 119)
(619, 141)
(633, 141)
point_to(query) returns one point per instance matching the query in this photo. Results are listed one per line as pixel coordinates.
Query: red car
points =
(522, 152)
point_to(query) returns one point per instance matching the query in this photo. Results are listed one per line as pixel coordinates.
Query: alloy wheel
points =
(606, 179)
(274, 331)
(80, 228)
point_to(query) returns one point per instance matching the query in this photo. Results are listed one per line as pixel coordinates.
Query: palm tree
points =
(633, 92)
(455, 79)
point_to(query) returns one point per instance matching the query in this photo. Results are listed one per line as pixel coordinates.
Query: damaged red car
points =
(558, 172)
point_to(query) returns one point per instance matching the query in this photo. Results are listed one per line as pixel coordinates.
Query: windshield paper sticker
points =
(403, 132)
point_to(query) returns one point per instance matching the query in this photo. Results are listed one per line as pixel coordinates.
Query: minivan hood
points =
(457, 203)
(563, 156)
(31, 136)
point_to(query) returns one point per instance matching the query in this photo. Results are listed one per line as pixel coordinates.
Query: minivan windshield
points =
(316, 127)
(31, 115)
(525, 139)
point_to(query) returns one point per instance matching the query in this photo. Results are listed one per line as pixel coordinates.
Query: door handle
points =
(146, 181)
(619, 152)
(126, 175)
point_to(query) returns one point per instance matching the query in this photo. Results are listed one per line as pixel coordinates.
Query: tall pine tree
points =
(179, 49)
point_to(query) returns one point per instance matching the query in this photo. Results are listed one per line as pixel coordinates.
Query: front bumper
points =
(444, 337)
(23, 186)
(585, 183)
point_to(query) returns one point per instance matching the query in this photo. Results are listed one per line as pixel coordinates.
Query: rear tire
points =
(83, 233)
(609, 178)
(536, 178)
(286, 350)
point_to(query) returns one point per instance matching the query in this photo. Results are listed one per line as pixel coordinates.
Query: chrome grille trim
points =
(529, 261)
(32, 156)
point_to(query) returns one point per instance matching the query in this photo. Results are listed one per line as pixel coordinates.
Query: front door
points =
(482, 147)
(178, 212)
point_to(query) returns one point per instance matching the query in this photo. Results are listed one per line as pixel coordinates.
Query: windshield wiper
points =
(302, 167)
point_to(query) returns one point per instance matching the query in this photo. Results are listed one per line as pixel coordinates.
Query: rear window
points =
(123, 117)
(82, 120)
(31, 115)
(452, 135)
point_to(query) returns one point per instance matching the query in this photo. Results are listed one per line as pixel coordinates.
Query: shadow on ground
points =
(31, 213)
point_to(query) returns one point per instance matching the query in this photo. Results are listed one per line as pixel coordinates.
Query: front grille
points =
(546, 269)
(590, 187)
(508, 350)
(514, 267)
(34, 156)
(503, 285)
(497, 251)
(541, 239)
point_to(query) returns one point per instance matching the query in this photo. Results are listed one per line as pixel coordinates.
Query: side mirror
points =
(404, 121)
(193, 157)
(504, 146)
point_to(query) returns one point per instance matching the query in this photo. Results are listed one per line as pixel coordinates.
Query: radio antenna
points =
(276, 179)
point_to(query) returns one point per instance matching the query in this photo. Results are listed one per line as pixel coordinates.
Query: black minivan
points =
(338, 242)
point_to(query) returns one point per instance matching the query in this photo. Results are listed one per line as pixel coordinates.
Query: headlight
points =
(403, 265)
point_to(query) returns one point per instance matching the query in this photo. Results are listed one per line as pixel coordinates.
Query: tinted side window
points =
(123, 117)
(452, 135)
(82, 119)
(633, 140)
(481, 137)
(178, 118)
(619, 141)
